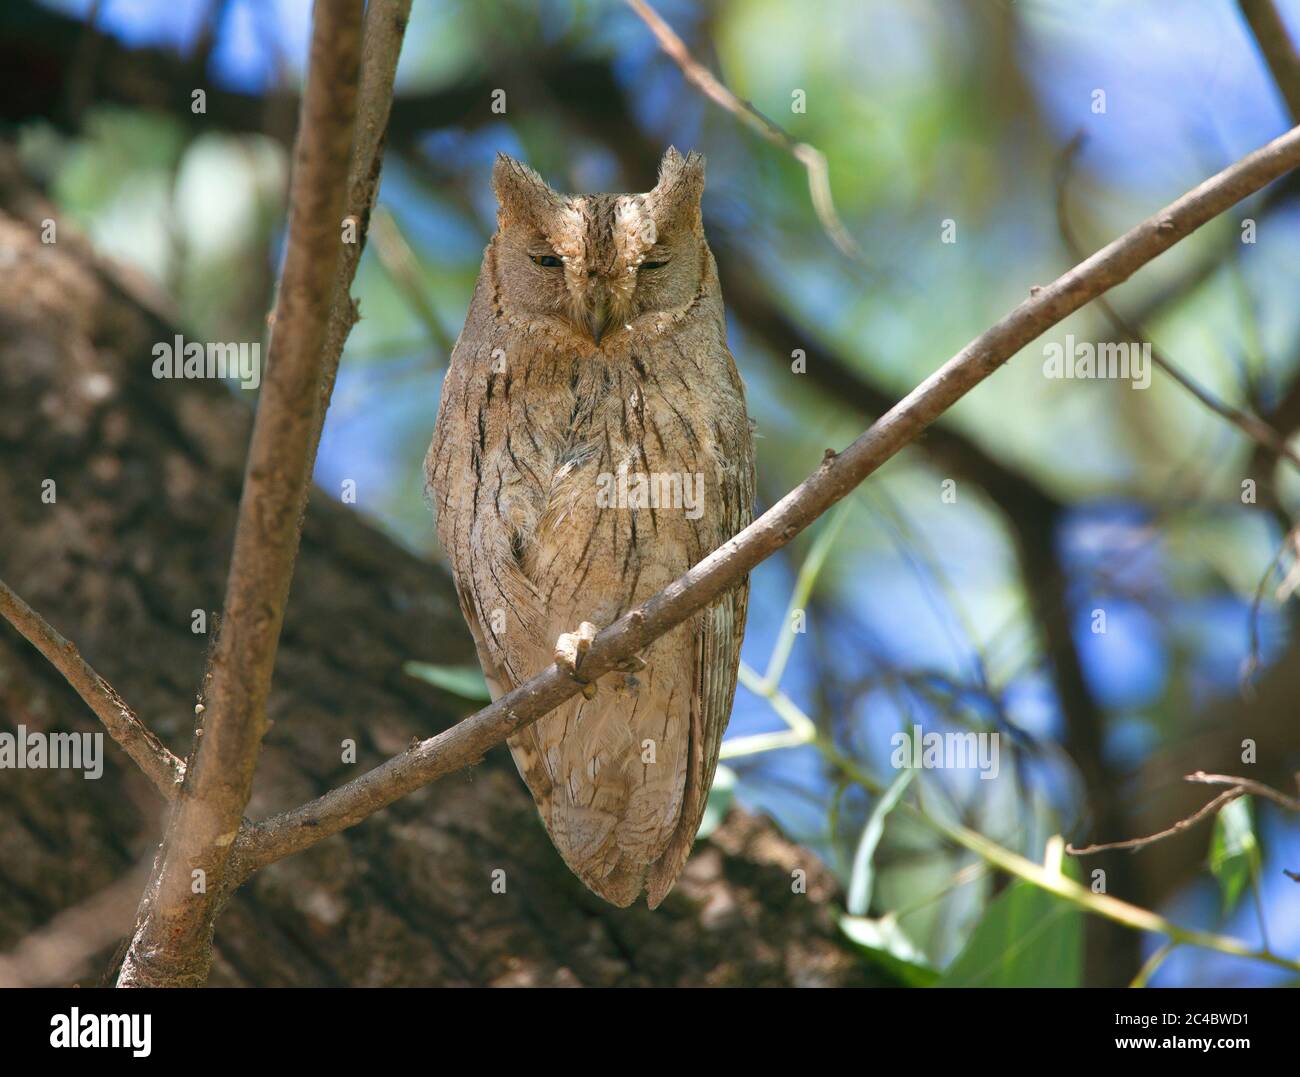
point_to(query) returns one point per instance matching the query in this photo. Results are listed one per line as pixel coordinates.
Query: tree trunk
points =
(146, 477)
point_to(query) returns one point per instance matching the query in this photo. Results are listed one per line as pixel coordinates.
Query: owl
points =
(592, 444)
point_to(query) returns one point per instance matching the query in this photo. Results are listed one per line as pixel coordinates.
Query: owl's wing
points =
(719, 629)
(453, 467)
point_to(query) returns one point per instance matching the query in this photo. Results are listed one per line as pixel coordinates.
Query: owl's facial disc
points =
(599, 262)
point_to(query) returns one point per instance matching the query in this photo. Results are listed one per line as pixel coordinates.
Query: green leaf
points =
(1234, 850)
(886, 944)
(862, 875)
(720, 796)
(1026, 938)
(464, 681)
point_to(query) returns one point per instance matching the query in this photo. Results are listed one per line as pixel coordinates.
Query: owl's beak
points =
(598, 319)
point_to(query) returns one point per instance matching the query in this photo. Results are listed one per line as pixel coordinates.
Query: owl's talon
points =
(570, 649)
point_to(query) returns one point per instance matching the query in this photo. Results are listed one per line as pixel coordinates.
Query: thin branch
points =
(1249, 424)
(839, 474)
(812, 159)
(1247, 785)
(1221, 801)
(1240, 787)
(403, 269)
(1279, 51)
(160, 766)
(1252, 663)
(172, 943)
(1152, 964)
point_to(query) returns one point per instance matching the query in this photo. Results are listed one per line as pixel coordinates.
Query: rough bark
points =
(147, 477)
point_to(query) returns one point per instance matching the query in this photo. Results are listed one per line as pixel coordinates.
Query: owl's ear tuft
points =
(681, 183)
(520, 191)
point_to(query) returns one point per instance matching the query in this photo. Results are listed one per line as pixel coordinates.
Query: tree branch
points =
(1279, 52)
(160, 766)
(385, 27)
(1248, 423)
(1240, 787)
(172, 943)
(812, 159)
(1133, 844)
(837, 476)
(1247, 785)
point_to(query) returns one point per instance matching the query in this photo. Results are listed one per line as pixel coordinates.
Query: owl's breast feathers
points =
(570, 488)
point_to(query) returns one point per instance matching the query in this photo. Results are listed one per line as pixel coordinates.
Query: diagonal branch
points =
(837, 476)
(812, 159)
(1247, 422)
(1240, 787)
(1134, 844)
(1247, 785)
(135, 738)
(171, 945)
(1279, 51)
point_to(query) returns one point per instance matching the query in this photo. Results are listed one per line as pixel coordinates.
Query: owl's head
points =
(599, 261)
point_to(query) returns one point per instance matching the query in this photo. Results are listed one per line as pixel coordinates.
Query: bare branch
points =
(161, 767)
(1279, 51)
(403, 269)
(812, 159)
(1249, 424)
(1240, 788)
(1221, 801)
(1290, 540)
(1247, 785)
(837, 476)
(171, 945)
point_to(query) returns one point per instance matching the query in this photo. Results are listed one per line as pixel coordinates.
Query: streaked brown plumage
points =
(595, 351)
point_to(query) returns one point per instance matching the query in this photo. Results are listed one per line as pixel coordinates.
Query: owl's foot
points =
(570, 649)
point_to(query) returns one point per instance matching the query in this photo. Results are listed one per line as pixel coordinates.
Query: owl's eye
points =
(653, 265)
(547, 260)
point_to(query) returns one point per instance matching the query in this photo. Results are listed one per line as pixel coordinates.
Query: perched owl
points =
(592, 445)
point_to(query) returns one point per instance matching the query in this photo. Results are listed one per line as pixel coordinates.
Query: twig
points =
(160, 766)
(812, 159)
(172, 943)
(1249, 424)
(1221, 801)
(1279, 51)
(838, 474)
(1247, 785)
(403, 268)
(1240, 787)
(1253, 658)
(1152, 964)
